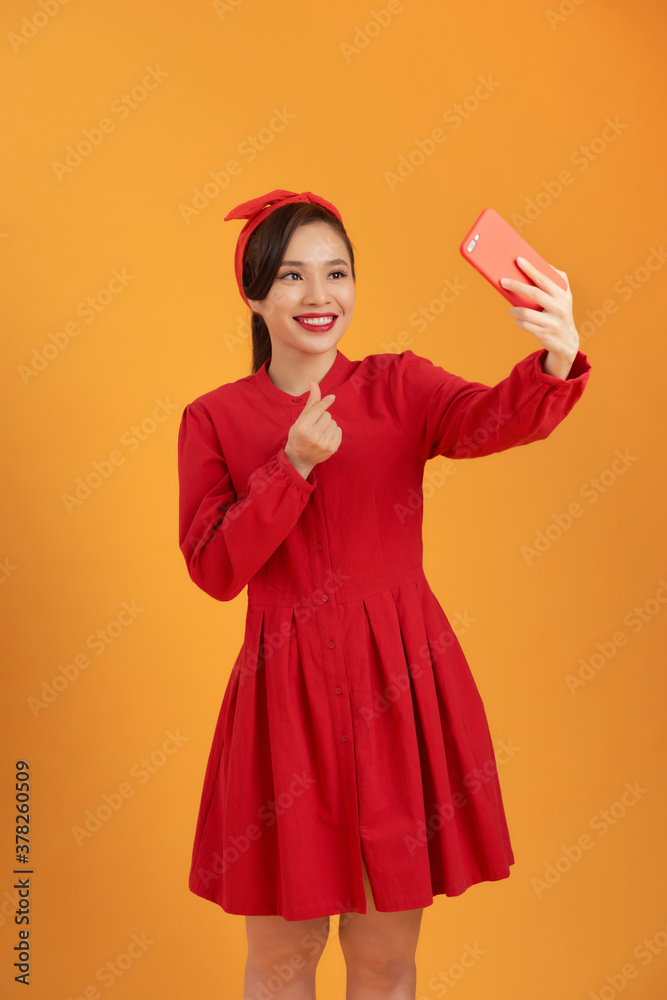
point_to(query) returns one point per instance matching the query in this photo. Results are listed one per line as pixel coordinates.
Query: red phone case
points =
(492, 247)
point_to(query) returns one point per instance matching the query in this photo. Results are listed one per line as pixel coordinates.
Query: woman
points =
(352, 770)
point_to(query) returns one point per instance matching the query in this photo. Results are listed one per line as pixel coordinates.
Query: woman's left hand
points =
(554, 326)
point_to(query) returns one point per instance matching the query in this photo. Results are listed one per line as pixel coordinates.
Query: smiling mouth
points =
(324, 320)
(317, 324)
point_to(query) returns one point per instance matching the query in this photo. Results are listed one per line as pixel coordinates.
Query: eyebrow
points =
(300, 263)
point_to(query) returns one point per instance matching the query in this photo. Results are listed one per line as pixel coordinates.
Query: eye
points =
(343, 274)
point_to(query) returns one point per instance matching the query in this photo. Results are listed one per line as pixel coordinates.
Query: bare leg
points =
(379, 951)
(283, 956)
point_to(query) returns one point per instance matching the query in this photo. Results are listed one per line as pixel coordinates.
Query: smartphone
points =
(492, 247)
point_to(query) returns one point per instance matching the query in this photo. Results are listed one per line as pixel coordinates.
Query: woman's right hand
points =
(314, 436)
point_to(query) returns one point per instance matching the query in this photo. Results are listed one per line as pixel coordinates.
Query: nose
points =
(316, 290)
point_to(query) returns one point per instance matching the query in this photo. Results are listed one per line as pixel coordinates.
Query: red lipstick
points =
(317, 327)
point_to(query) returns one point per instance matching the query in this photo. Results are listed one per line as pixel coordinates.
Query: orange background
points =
(178, 328)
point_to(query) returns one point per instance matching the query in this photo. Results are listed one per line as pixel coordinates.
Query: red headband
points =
(257, 210)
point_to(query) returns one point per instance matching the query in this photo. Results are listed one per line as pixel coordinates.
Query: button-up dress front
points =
(350, 724)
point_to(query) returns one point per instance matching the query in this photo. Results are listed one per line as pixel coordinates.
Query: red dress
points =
(351, 721)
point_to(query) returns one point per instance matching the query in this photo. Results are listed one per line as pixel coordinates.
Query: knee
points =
(287, 956)
(379, 970)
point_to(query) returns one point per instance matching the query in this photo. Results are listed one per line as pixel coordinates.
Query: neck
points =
(292, 371)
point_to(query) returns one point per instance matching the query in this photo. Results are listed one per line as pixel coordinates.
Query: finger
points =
(537, 331)
(530, 291)
(534, 273)
(332, 440)
(531, 316)
(322, 404)
(564, 277)
(315, 406)
(313, 395)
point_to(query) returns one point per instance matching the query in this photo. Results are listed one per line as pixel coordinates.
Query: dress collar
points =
(336, 374)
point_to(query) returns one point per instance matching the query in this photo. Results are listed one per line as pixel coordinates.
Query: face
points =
(314, 280)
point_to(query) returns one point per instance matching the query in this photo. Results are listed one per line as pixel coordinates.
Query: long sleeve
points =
(444, 414)
(226, 538)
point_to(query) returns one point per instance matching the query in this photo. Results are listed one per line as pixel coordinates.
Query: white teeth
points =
(323, 321)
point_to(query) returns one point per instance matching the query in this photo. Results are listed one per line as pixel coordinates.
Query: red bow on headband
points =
(257, 210)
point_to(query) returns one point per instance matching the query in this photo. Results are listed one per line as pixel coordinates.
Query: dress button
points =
(325, 597)
(344, 738)
(295, 400)
(318, 546)
(338, 690)
(332, 644)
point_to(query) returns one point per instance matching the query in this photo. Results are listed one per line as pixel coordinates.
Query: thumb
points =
(315, 394)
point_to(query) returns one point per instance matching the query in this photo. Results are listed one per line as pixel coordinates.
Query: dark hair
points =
(264, 252)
